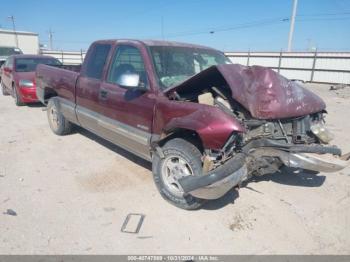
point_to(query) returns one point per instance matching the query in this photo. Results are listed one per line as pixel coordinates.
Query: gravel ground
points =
(71, 195)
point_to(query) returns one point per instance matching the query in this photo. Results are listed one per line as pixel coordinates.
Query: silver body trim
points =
(130, 138)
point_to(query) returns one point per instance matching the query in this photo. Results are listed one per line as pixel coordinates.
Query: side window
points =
(127, 59)
(97, 61)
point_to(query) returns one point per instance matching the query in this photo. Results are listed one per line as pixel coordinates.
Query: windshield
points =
(30, 64)
(176, 64)
(7, 51)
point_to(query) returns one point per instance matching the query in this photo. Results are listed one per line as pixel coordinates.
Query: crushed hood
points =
(262, 91)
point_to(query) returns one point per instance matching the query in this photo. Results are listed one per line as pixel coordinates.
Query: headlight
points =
(322, 132)
(26, 83)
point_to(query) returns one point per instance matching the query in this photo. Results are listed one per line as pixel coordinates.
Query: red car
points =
(18, 76)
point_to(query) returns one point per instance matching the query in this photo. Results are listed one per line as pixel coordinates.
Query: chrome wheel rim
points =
(174, 168)
(54, 117)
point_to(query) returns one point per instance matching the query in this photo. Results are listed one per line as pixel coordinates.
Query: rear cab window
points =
(97, 60)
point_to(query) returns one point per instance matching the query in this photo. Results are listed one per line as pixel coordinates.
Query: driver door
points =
(127, 112)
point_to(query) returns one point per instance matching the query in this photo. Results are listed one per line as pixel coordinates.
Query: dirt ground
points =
(71, 195)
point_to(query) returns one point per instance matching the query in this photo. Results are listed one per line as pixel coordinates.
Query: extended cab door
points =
(88, 86)
(127, 112)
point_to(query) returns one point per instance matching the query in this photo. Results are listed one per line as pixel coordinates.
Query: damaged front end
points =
(284, 125)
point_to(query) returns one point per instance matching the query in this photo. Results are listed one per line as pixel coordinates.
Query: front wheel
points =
(17, 97)
(58, 123)
(181, 158)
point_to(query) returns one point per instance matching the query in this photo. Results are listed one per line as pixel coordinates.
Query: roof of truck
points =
(149, 42)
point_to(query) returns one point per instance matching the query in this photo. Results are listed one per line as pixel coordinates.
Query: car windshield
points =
(7, 51)
(175, 64)
(30, 64)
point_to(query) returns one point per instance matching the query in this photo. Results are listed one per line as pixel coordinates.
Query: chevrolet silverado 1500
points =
(205, 123)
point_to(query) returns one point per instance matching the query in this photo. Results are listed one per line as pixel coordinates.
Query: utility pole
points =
(291, 29)
(50, 39)
(14, 28)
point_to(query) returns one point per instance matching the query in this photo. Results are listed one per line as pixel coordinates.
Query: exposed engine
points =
(306, 130)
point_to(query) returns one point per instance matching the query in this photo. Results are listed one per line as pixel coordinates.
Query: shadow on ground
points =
(116, 149)
(293, 177)
(287, 176)
(33, 105)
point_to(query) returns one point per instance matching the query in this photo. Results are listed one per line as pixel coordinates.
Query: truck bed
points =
(56, 81)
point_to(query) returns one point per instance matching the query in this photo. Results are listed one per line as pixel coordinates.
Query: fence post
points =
(81, 55)
(313, 67)
(279, 62)
(248, 58)
(62, 58)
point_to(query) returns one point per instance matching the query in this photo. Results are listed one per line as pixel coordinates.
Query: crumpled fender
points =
(262, 91)
(211, 124)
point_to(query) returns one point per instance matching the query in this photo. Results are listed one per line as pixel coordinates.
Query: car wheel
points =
(17, 97)
(3, 89)
(181, 158)
(58, 123)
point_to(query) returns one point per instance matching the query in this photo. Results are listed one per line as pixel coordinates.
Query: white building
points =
(28, 42)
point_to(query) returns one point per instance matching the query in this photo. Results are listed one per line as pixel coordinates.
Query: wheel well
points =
(186, 134)
(48, 93)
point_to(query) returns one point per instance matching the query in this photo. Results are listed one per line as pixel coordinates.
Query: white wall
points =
(27, 42)
(289, 62)
(68, 58)
(306, 66)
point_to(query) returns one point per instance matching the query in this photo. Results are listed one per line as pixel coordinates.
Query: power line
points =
(325, 14)
(212, 30)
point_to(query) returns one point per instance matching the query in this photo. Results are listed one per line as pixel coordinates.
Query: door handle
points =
(103, 94)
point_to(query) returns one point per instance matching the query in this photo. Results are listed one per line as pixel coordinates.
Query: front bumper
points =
(219, 181)
(28, 94)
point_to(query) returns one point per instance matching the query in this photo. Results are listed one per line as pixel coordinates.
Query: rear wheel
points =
(181, 158)
(17, 97)
(58, 123)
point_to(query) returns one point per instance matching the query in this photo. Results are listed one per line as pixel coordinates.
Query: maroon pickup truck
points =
(205, 123)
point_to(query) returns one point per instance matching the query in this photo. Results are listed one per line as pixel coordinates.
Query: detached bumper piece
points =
(310, 161)
(218, 181)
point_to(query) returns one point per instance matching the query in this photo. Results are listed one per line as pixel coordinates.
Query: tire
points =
(58, 123)
(17, 98)
(3, 89)
(185, 152)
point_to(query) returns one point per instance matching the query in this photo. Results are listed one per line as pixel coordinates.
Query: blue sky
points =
(235, 25)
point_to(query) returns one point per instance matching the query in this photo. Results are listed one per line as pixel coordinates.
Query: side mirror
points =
(130, 81)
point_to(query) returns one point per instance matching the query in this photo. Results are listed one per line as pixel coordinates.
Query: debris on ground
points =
(132, 223)
(10, 212)
(341, 90)
(109, 209)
